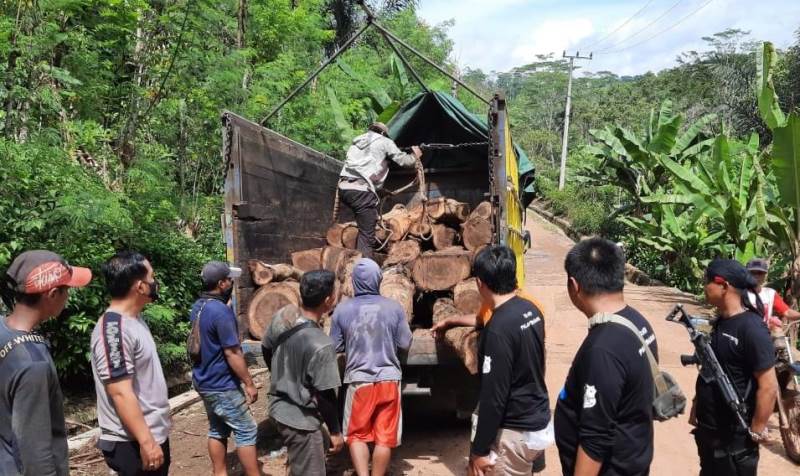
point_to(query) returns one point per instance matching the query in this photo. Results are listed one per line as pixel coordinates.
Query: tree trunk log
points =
(420, 230)
(268, 300)
(464, 341)
(402, 252)
(476, 232)
(334, 234)
(398, 286)
(335, 258)
(466, 297)
(447, 209)
(350, 237)
(441, 270)
(307, 260)
(443, 236)
(263, 273)
(483, 210)
(346, 278)
(443, 308)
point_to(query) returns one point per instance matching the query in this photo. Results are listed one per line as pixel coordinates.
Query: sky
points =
(498, 35)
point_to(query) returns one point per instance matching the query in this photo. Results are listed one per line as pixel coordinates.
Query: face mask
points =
(153, 293)
(226, 294)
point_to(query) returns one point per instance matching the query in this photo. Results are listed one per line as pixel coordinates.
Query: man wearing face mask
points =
(221, 371)
(134, 424)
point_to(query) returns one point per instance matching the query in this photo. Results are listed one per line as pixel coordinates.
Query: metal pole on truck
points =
(562, 176)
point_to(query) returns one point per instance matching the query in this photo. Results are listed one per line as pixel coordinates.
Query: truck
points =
(279, 197)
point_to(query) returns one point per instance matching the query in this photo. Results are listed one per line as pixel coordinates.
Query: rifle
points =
(709, 367)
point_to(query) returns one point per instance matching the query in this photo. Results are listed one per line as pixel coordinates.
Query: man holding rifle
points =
(743, 347)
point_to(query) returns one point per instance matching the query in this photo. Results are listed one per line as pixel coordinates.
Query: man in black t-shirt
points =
(744, 349)
(512, 426)
(603, 418)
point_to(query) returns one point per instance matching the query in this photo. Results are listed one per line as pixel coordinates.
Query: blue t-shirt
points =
(218, 331)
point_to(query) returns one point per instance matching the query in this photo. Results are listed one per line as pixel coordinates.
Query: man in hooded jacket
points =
(371, 330)
(364, 173)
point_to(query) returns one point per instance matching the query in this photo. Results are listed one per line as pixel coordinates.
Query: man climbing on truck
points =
(364, 174)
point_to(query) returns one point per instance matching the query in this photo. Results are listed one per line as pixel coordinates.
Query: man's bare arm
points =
(236, 362)
(461, 320)
(765, 398)
(585, 465)
(130, 414)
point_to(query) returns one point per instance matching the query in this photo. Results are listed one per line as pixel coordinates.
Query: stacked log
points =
(430, 248)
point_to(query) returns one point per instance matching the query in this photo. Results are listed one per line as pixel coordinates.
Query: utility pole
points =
(563, 175)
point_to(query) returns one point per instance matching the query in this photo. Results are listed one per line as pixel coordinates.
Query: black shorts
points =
(124, 458)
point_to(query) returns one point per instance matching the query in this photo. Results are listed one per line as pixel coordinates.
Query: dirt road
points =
(437, 445)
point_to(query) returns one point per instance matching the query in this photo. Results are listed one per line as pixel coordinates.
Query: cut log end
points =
(307, 260)
(441, 270)
(268, 300)
(402, 252)
(398, 286)
(476, 232)
(443, 236)
(466, 296)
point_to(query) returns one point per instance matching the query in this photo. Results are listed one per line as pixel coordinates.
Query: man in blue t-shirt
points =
(221, 371)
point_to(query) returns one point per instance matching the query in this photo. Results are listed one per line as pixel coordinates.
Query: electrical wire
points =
(637, 32)
(621, 26)
(693, 12)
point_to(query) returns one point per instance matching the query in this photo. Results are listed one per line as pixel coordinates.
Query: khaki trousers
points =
(514, 458)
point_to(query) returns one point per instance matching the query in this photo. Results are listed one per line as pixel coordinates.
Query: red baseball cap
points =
(38, 271)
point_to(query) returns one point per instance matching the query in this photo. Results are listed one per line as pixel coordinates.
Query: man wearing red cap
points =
(33, 437)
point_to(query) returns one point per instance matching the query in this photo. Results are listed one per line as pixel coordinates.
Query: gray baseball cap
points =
(215, 271)
(758, 264)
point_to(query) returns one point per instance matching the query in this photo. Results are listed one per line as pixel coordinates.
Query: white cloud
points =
(551, 36)
(502, 34)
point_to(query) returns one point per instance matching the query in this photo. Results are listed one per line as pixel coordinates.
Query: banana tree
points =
(728, 187)
(784, 221)
(684, 241)
(634, 165)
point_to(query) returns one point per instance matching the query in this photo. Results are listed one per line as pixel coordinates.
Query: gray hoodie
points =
(368, 159)
(370, 329)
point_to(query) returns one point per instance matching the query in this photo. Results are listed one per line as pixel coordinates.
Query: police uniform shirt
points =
(606, 403)
(743, 346)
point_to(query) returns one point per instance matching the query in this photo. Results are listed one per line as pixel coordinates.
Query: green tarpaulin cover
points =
(437, 117)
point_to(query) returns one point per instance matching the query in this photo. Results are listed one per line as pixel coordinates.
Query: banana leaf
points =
(786, 163)
(768, 104)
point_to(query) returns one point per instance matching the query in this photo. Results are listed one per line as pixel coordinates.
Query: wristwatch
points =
(759, 436)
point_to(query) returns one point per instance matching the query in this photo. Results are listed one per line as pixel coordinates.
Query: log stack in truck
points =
(278, 222)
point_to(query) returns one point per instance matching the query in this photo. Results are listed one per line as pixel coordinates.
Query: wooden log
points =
(398, 286)
(447, 209)
(443, 308)
(268, 300)
(350, 237)
(464, 342)
(442, 236)
(381, 234)
(441, 270)
(421, 230)
(307, 260)
(264, 273)
(346, 279)
(475, 253)
(334, 234)
(483, 210)
(335, 258)
(476, 232)
(466, 296)
(402, 252)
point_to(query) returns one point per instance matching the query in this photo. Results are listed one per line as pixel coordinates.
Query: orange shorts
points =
(372, 413)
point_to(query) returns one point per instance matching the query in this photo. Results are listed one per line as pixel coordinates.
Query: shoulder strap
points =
(287, 334)
(602, 318)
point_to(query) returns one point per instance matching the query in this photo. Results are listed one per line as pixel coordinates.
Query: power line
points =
(603, 38)
(658, 18)
(693, 12)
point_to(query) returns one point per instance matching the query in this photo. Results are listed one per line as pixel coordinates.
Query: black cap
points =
(215, 271)
(758, 264)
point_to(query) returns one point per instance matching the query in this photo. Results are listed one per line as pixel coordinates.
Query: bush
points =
(59, 205)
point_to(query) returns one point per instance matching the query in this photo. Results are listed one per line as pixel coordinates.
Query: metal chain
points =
(452, 146)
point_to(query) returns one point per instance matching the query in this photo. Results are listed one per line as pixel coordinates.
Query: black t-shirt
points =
(743, 346)
(511, 355)
(606, 403)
